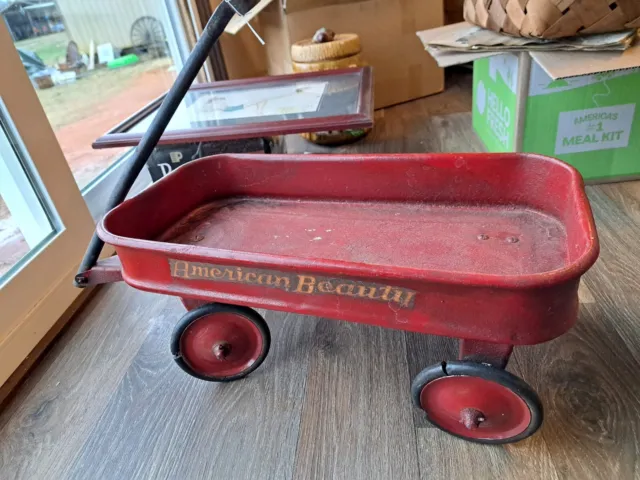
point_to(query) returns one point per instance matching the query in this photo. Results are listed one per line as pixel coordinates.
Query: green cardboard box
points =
(591, 121)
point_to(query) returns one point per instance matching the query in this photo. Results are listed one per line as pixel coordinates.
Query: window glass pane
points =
(93, 63)
(25, 223)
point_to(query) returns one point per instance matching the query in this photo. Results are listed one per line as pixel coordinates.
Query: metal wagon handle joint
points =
(210, 35)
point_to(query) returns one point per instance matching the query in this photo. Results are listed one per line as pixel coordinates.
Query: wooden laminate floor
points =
(332, 400)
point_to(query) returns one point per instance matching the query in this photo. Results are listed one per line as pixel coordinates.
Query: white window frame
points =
(37, 292)
(33, 298)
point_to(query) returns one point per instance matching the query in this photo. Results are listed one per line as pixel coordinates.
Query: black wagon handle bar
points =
(212, 31)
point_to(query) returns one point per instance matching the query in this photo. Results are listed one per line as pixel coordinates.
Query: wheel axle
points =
(472, 418)
(221, 350)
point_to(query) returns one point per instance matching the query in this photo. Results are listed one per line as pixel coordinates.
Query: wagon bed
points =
(425, 214)
(454, 238)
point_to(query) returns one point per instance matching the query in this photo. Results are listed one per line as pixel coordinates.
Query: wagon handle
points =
(214, 28)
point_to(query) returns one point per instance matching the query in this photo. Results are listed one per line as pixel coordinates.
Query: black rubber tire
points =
(486, 372)
(211, 309)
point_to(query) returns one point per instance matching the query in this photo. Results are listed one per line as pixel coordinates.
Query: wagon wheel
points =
(220, 343)
(477, 402)
(147, 33)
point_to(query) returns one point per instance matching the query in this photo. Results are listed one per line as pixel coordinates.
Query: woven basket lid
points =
(343, 45)
(553, 18)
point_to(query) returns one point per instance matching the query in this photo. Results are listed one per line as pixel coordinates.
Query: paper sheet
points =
(466, 37)
(301, 97)
(463, 42)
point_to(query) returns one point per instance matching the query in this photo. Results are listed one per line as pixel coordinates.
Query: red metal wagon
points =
(487, 248)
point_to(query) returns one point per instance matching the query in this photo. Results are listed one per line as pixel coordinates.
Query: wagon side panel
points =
(510, 316)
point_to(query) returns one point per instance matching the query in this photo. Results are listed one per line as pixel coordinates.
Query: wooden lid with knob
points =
(325, 45)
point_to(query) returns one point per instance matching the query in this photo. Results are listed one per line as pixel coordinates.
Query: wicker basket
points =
(553, 18)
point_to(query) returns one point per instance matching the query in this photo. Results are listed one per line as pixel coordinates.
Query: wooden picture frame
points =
(121, 136)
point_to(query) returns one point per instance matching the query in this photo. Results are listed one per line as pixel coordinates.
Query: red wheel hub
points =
(476, 408)
(221, 345)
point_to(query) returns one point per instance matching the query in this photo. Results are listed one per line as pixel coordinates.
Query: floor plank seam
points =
(69, 474)
(300, 418)
(520, 368)
(421, 474)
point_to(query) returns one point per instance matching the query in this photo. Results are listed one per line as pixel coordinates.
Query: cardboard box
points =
(386, 28)
(453, 11)
(582, 108)
(243, 55)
